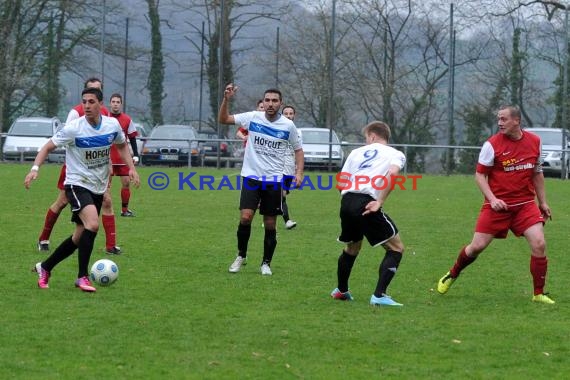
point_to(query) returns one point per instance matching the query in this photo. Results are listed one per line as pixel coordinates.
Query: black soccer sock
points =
(387, 271)
(285, 209)
(243, 234)
(345, 264)
(269, 244)
(84, 248)
(62, 252)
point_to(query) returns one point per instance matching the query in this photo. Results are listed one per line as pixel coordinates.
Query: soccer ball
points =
(104, 272)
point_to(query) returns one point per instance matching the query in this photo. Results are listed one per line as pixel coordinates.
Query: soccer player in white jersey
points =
(288, 172)
(269, 133)
(88, 140)
(362, 214)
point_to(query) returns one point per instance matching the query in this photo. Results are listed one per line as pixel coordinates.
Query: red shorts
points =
(517, 219)
(120, 170)
(61, 179)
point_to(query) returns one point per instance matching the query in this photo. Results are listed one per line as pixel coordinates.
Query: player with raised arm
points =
(268, 135)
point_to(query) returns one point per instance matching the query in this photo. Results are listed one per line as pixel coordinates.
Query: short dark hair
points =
(259, 102)
(95, 91)
(273, 91)
(289, 106)
(92, 79)
(379, 128)
(116, 95)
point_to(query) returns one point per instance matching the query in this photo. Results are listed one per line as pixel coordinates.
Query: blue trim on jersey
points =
(265, 130)
(95, 141)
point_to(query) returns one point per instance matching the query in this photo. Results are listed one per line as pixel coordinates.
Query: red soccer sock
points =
(125, 197)
(51, 218)
(110, 231)
(538, 269)
(462, 261)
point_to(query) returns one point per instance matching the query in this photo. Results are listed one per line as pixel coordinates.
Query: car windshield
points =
(32, 128)
(318, 137)
(175, 133)
(550, 138)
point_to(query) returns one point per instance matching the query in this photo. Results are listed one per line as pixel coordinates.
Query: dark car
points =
(210, 148)
(171, 145)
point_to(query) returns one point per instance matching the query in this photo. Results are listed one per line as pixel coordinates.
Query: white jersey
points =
(289, 161)
(88, 151)
(266, 145)
(371, 161)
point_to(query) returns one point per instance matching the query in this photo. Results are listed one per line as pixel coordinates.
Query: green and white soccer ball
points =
(104, 272)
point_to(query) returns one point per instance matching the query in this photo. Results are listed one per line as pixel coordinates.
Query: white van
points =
(316, 148)
(553, 139)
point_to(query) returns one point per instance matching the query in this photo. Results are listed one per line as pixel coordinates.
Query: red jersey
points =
(510, 166)
(130, 132)
(245, 132)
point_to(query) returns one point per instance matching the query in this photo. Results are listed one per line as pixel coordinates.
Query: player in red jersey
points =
(119, 167)
(509, 174)
(55, 209)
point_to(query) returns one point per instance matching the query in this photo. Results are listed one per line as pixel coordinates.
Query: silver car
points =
(552, 140)
(27, 135)
(317, 148)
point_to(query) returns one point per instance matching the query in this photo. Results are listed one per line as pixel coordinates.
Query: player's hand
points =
(298, 180)
(372, 206)
(134, 178)
(31, 176)
(498, 205)
(230, 91)
(545, 210)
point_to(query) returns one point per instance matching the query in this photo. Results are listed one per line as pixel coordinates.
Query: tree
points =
(156, 73)
(239, 18)
(37, 38)
(479, 122)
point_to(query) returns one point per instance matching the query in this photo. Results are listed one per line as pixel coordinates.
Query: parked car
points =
(142, 134)
(552, 142)
(210, 148)
(316, 148)
(171, 145)
(27, 135)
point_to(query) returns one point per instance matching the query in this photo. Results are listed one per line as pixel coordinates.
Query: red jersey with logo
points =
(130, 132)
(510, 166)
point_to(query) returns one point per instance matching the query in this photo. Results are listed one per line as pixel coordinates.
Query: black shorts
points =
(79, 197)
(376, 227)
(266, 195)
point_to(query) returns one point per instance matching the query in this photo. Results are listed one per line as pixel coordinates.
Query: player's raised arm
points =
(224, 116)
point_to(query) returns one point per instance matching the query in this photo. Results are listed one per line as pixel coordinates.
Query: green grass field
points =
(176, 312)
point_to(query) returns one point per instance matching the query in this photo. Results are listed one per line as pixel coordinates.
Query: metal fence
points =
(421, 159)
